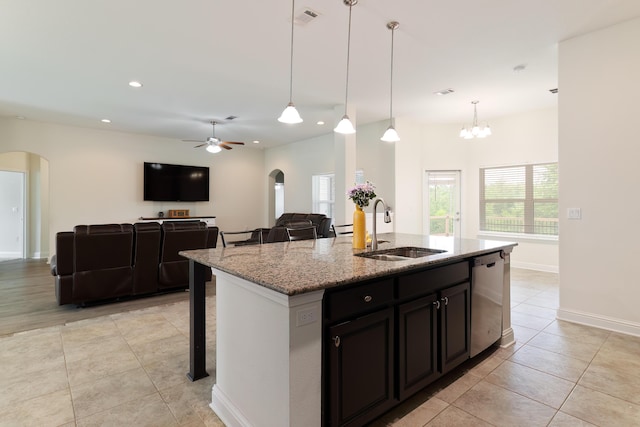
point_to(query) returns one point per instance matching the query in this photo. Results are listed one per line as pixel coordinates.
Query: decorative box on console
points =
(178, 213)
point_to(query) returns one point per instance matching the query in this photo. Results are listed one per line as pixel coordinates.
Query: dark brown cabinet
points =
(387, 339)
(433, 337)
(455, 326)
(361, 368)
(418, 344)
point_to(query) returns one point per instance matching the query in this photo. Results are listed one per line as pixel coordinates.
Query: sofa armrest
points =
(54, 265)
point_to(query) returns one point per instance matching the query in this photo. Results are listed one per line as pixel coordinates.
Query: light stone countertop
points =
(308, 265)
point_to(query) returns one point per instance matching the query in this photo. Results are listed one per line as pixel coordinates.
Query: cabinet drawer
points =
(429, 281)
(362, 298)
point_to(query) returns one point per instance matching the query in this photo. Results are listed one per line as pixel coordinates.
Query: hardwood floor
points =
(28, 301)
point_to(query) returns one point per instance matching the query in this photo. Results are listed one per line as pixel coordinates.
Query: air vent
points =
(444, 92)
(231, 117)
(553, 90)
(307, 15)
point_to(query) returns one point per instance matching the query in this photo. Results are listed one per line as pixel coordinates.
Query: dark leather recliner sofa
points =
(279, 234)
(109, 261)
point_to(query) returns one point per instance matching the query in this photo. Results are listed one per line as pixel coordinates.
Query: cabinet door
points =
(361, 368)
(455, 325)
(418, 340)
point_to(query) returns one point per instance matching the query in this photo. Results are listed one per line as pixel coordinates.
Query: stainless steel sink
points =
(400, 254)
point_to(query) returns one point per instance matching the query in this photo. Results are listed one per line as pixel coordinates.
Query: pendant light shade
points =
(290, 114)
(345, 126)
(391, 135)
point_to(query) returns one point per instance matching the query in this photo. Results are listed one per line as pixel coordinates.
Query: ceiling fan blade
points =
(224, 146)
(231, 142)
(201, 145)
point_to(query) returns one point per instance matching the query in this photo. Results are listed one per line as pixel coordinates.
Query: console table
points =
(209, 220)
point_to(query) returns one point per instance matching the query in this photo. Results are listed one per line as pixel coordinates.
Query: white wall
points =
(599, 152)
(96, 176)
(377, 159)
(299, 162)
(519, 139)
(408, 179)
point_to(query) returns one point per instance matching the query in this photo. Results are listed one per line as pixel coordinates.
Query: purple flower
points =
(362, 193)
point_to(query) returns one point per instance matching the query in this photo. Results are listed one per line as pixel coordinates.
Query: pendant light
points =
(345, 126)
(475, 131)
(391, 135)
(290, 114)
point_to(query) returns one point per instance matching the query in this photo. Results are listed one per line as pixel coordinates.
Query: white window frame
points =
(528, 202)
(317, 198)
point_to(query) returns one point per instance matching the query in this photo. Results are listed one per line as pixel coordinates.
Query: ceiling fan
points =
(213, 143)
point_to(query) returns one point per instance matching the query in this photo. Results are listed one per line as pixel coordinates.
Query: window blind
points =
(520, 199)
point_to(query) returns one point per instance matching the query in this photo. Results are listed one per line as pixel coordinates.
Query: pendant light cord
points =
(293, 6)
(475, 114)
(346, 92)
(393, 30)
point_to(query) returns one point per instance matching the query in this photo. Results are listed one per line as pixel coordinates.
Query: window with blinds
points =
(520, 199)
(323, 189)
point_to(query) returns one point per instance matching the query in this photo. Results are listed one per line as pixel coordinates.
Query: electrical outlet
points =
(304, 317)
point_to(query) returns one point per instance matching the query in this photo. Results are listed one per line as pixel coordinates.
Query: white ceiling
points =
(69, 61)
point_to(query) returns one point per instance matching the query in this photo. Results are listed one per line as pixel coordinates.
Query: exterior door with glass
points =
(442, 203)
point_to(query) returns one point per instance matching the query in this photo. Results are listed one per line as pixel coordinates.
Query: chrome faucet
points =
(387, 219)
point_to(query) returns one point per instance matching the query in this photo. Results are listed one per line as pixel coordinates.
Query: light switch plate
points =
(574, 213)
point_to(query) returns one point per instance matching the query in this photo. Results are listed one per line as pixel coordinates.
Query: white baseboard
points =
(10, 254)
(537, 267)
(508, 339)
(228, 413)
(601, 322)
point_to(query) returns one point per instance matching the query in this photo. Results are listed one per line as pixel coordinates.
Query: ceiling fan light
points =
(213, 148)
(345, 126)
(290, 115)
(487, 130)
(463, 132)
(390, 135)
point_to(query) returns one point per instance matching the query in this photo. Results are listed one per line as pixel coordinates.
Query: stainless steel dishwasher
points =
(486, 301)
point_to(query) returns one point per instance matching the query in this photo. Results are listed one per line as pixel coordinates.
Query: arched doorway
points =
(276, 195)
(31, 208)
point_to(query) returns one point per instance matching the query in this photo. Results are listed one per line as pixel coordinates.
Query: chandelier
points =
(476, 131)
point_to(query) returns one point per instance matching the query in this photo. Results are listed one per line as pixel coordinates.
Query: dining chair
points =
(307, 232)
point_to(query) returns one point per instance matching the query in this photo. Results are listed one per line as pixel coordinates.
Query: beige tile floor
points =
(129, 369)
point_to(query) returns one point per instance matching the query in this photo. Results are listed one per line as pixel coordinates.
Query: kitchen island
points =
(277, 306)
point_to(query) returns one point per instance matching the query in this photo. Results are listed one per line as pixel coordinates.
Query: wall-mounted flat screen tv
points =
(175, 183)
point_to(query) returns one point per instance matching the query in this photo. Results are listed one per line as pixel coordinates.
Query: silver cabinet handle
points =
(445, 300)
(336, 341)
(368, 298)
(437, 304)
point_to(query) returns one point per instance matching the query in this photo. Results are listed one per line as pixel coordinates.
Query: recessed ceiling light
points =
(519, 68)
(105, 121)
(319, 122)
(135, 84)
(256, 142)
(444, 92)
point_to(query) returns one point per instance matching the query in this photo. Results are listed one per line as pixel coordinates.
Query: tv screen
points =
(175, 183)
